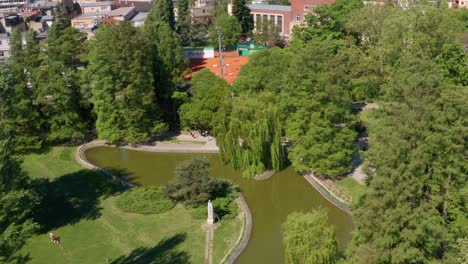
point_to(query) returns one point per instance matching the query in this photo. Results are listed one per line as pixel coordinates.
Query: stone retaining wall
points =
(244, 236)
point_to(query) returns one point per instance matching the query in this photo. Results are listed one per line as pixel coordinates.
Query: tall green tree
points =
(229, 28)
(241, 12)
(209, 93)
(17, 202)
(194, 186)
(58, 91)
(169, 64)
(327, 21)
(122, 78)
(315, 103)
(309, 239)
(162, 12)
(415, 210)
(248, 134)
(183, 21)
(24, 118)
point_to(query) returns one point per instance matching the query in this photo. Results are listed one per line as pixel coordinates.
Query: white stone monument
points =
(210, 219)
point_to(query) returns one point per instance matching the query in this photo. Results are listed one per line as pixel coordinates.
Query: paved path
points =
(199, 145)
(209, 244)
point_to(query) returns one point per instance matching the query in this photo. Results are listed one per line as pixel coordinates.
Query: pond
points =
(270, 200)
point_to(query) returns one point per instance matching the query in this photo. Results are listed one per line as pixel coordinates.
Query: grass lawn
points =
(92, 229)
(351, 187)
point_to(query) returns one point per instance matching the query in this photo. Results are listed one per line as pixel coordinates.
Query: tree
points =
(327, 21)
(161, 12)
(183, 21)
(122, 78)
(23, 116)
(193, 185)
(264, 72)
(248, 134)
(58, 90)
(309, 239)
(230, 30)
(209, 92)
(315, 105)
(416, 204)
(169, 64)
(17, 202)
(241, 12)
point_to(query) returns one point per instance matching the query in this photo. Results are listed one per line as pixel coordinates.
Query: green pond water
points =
(270, 201)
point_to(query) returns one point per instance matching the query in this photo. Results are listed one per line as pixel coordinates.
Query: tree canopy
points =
(194, 186)
(241, 12)
(209, 93)
(122, 78)
(309, 239)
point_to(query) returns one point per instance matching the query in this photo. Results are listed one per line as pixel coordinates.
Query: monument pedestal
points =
(210, 219)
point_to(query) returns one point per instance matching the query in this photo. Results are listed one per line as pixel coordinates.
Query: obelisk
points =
(210, 219)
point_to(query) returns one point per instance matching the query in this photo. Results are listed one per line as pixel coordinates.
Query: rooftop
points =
(281, 8)
(122, 11)
(91, 4)
(140, 16)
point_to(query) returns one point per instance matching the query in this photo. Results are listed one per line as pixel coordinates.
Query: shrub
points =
(144, 200)
(194, 187)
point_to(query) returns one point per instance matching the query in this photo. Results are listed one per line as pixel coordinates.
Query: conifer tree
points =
(24, 118)
(183, 21)
(58, 87)
(415, 210)
(122, 80)
(241, 12)
(163, 12)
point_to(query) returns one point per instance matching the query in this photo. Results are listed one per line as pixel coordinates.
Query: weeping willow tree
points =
(248, 133)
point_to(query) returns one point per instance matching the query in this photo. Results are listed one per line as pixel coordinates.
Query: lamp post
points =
(220, 47)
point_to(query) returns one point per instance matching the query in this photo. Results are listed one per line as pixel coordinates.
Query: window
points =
(298, 18)
(203, 11)
(1, 42)
(265, 17)
(279, 23)
(258, 17)
(306, 8)
(103, 7)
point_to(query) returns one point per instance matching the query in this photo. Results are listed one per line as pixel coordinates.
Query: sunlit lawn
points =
(92, 230)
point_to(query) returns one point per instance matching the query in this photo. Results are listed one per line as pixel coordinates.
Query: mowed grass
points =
(351, 187)
(93, 230)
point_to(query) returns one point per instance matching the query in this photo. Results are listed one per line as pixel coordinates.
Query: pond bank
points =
(245, 231)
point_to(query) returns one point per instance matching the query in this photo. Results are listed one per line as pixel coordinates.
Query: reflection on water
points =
(270, 200)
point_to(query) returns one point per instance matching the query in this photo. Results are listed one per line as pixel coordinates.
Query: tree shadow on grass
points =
(73, 197)
(165, 252)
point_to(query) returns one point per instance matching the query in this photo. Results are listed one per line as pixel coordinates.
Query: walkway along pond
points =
(270, 200)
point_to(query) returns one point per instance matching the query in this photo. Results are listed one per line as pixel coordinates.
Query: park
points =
(336, 135)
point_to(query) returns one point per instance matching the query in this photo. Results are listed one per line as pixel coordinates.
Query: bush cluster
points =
(144, 200)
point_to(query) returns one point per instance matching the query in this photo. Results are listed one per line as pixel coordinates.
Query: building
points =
(94, 7)
(13, 3)
(4, 46)
(280, 16)
(139, 19)
(200, 10)
(122, 13)
(88, 22)
(285, 17)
